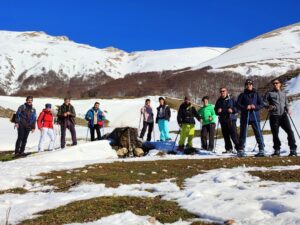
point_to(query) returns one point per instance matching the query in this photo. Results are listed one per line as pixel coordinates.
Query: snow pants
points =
(187, 131)
(44, 133)
(163, 126)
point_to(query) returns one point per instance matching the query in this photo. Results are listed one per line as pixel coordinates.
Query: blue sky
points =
(150, 24)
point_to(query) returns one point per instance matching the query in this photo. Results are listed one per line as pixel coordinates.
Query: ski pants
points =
(187, 131)
(229, 132)
(163, 126)
(283, 122)
(23, 133)
(44, 133)
(208, 133)
(150, 128)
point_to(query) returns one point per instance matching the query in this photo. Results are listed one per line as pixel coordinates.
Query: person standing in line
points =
(186, 121)
(96, 119)
(148, 120)
(25, 122)
(162, 119)
(66, 117)
(45, 125)
(208, 116)
(250, 103)
(277, 103)
(225, 108)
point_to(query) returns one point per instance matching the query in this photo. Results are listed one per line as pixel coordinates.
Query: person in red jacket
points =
(45, 125)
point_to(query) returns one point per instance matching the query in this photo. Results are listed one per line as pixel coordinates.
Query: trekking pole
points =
(153, 131)
(247, 124)
(216, 137)
(262, 129)
(259, 131)
(294, 125)
(176, 138)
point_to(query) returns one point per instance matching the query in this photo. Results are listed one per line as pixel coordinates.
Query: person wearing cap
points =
(277, 103)
(225, 108)
(25, 122)
(162, 119)
(208, 117)
(66, 118)
(95, 118)
(250, 103)
(45, 125)
(186, 121)
(148, 120)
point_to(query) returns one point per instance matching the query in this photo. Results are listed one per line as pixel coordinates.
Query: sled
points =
(160, 145)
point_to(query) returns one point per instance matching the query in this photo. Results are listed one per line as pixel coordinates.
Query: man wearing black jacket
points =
(25, 122)
(66, 118)
(226, 109)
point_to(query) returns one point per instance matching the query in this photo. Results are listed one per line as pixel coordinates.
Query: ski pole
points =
(176, 138)
(262, 129)
(294, 125)
(258, 126)
(247, 124)
(216, 137)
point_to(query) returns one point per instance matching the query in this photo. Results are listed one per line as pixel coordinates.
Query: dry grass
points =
(280, 176)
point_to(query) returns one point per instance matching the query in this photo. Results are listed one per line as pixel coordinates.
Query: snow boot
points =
(293, 152)
(261, 153)
(276, 152)
(241, 153)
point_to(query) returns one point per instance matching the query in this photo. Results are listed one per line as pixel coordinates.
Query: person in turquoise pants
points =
(162, 119)
(186, 121)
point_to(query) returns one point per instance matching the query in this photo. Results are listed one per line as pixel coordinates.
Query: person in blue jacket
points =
(95, 118)
(250, 103)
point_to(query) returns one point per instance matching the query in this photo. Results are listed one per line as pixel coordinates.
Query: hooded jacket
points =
(26, 116)
(187, 113)
(45, 119)
(205, 112)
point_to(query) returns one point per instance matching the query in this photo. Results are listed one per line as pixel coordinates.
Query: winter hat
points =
(29, 97)
(187, 98)
(248, 81)
(161, 98)
(205, 97)
(48, 106)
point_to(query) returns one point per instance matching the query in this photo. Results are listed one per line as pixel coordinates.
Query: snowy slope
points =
(272, 53)
(35, 53)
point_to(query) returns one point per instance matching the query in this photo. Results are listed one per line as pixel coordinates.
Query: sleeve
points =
(59, 112)
(103, 117)
(196, 114)
(179, 115)
(233, 106)
(18, 114)
(33, 120)
(142, 110)
(168, 111)
(217, 107)
(213, 113)
(87, 116)
(266, 99)
(73, 113)
(286, 104)
(40, 120)
(239, 104)
(156, 120)
(259, 104)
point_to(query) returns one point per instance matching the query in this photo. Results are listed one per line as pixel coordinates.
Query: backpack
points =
(13, 118)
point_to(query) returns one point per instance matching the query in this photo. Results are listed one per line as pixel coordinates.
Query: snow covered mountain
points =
(26, 58)
(273, 53)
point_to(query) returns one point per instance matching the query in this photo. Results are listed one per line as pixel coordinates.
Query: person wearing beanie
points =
(66, 118)
(96, 118)
(45, 125)
(186, 121)
(25, 122)
(208, 117)
(162, 119)
(250, 103)
(148, 120)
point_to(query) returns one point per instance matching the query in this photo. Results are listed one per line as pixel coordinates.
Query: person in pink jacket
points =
(148, 120)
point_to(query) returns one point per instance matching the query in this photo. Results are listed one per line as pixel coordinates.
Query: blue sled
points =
(160, 145)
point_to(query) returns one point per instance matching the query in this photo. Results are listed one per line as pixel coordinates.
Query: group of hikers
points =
(25, 121)
(248, 104)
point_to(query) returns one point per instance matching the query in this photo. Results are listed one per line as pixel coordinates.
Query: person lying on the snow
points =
(148, 120)
(186, 121)
(45, 125)
(208, 117)
(226, 109)
(25, 122)
(162, 119)
(277, 103)
(95, 118)
(250, 103)
(66, 118)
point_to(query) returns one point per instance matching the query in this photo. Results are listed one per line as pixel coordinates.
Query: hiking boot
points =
(261, 153)
(276, 153)
(293, 152)
(241, 153)
(190, 151)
